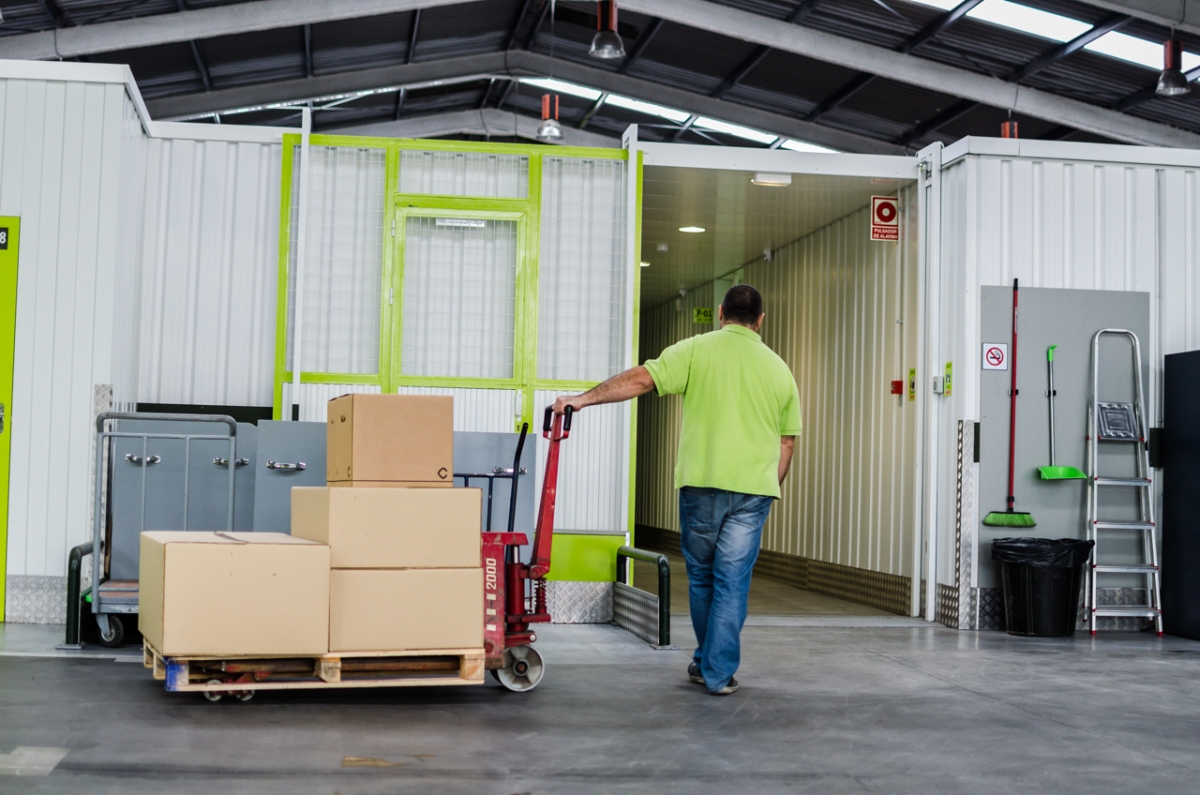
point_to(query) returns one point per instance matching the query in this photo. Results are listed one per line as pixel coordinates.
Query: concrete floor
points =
(829, 705)
(767, 597)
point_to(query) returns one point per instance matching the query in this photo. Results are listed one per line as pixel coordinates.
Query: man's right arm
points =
(630, 384)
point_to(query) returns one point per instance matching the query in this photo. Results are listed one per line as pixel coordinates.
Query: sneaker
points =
(694, 673)
(732, 687)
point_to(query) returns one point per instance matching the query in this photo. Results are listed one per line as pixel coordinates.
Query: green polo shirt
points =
(739, 398)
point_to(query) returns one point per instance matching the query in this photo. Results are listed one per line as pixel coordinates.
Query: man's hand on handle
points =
(632, 383)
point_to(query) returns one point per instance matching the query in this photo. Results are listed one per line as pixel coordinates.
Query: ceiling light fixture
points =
(1171, 82)
(772, 180)
(691, 230)
(645, 264)
(607, 42)
(549, 129)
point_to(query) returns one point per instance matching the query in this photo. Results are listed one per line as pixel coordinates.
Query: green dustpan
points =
(1061, 473)
(1053, 472)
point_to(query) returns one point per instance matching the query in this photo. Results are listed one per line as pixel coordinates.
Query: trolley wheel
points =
(523, 669)
(214, 695)
(116, 633)
(244, 695)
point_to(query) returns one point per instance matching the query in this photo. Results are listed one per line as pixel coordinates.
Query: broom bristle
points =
(1009, 519)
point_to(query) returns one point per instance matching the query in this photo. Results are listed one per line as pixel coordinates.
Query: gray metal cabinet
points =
(289, 454)
(173, 484)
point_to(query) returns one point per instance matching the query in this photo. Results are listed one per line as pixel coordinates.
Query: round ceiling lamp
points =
(1172, 82)
(691, 230)
(549, 129)
(607, 42)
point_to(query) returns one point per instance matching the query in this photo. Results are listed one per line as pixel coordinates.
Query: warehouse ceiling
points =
(739, 220)
(853, 75)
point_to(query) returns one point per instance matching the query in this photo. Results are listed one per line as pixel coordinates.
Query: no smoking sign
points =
(995, 356)
(885, 218)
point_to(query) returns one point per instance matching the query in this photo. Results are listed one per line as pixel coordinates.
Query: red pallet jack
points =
(510, 607)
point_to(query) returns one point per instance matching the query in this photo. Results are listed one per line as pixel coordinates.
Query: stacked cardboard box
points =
(404, 553)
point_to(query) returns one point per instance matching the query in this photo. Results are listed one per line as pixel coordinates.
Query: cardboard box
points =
(391, 437)
(233, 593)
(391, 528)
(390, 484)
(403, 609)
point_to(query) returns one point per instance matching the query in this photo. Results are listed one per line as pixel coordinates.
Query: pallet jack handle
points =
(555, 428)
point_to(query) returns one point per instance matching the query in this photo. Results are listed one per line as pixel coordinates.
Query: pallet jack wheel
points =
(213, 695)
(116, 633)
(523, 669)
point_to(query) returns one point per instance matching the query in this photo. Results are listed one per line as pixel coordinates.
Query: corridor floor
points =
(822, 709)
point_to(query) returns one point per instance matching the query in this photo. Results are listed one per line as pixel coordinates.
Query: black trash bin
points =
(1041, 578)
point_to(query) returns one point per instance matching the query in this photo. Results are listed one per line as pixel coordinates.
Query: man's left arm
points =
(787, 445)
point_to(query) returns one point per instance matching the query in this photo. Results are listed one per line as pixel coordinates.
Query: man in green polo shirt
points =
(741, 416)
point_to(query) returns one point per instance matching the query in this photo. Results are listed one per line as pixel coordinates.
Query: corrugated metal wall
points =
(1062, 224)
(209, 252)
(60, 170)
(488, 410)
(841, 312)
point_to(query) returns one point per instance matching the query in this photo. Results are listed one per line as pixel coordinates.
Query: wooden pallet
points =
(228, 674)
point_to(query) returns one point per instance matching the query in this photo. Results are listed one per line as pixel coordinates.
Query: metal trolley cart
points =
(114, 598)
(514, 600)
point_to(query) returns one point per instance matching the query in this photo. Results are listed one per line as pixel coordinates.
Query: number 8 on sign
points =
(3, 237)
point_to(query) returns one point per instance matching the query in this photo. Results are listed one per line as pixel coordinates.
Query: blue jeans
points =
(721, 534)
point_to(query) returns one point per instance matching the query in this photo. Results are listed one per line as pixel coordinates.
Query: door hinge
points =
(391, 295)
(393, 227)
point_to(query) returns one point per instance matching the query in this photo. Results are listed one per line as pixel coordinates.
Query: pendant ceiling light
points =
(607, 43)
(1172, 83)
(549, 129)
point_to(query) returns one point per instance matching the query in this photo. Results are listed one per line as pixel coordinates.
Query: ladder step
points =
(1127, 611)
(1103, 525)
(1143, 483)
(1141, 568)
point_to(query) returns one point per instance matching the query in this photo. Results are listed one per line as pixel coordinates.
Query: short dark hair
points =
(743, 304)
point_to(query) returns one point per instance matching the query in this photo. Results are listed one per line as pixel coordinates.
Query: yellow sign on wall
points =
(912, 383)
(702, 314)
(949, 382)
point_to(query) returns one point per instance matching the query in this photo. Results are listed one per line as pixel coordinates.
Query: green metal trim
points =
(576, 557)
(430, 204)
(334, 378)
(387, 299)
(563, 386)
(636, 321)
(445, 382)
(528, 288)
(281, 283)
(9, 264)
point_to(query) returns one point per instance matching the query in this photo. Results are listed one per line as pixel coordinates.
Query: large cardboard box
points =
(233, 593)
(391, 437)
(391, 528)
(403, 609)
(389, 484)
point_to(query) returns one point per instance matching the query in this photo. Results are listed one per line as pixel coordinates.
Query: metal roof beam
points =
(516, 25)
(759, 53)
(412, 36)
(200, 23)
(1183, 15)
(537, 25)
(490, 122)
(516, 63)
(915, 71)
(55, 13)
(640, 45)
(308, 59)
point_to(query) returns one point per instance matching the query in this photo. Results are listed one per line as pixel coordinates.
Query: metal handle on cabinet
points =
(137, 459)
(299, 465)
(224, 462)
(1, 418)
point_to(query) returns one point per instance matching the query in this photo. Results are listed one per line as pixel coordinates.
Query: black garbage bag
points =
(1059, 553)
(1041, 579)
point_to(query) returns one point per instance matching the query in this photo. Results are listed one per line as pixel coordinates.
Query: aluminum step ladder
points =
(1121, 423)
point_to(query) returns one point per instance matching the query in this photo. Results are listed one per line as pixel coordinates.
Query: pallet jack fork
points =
(510, 606)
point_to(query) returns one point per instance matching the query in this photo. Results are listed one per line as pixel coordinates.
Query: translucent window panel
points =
(464, 174)
(582, 272)
(343, 268)
(460, 281)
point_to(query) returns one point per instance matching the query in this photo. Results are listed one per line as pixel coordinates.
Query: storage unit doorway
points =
(846, 313)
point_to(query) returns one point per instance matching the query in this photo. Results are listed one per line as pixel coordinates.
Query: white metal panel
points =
(60, 157)
(464, 174)
(583, 313)
(841, 312)
(128, 284)
(210, 248)
(314, 398)
(593, 468)
(489, 410)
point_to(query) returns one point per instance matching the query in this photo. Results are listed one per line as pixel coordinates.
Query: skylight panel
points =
(1139, 51)
(803, 146)
(736, 130)
(649, 108)
(1029, 20)
(945, 5)
(562, 87)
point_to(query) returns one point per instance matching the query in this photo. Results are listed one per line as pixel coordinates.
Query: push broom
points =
(1011, 517)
